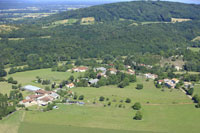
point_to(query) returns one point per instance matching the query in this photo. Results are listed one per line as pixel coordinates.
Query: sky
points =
(100, 1)
(183, 1)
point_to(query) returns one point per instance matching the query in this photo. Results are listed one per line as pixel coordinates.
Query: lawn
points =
(197, 89)
(194, 49)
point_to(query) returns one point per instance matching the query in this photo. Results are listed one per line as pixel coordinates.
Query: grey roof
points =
(31, 88)
(93, 81)
(54, 95)
(103, 69)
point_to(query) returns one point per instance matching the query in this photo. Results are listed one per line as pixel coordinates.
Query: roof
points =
(101, 69)
(31, 88)
(54, 95)
(41, 91)
(46, 99)
(27, 100)
(34, 96)
(174, 79)
(82, 68)
(71, 84)
(93, 81)
(113, 69)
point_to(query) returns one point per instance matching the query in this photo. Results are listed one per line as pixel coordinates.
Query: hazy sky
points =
(184, 1)
(101, 1)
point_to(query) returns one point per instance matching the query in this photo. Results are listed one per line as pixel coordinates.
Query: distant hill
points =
(137, 10)
(117, 29)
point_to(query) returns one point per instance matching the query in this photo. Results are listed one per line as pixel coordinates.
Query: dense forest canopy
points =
(137, 10)
(107, 35)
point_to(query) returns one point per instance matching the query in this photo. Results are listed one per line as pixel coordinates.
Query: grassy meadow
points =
(194, 49)
(164, 110)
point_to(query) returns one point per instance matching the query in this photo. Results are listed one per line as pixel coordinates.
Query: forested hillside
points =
(114, 35)
(138, 11)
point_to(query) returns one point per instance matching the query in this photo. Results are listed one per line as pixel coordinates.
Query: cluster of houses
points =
(40, 96)
(171, 83)
(101, 72)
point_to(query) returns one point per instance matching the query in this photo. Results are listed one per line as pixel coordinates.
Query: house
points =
(34, 97)
(101, 74)
(151, 76)
(42, 92)
(45, 100)
(113, 70)
(71, 85)
(178, 68)
(54, 95)
(175, 81)
(160, 81)
(131, 72)
(102, 69)
(188, 85)
(31, 88)
(80, 69)
(28, 102)
(127, 66)
(93, 81)
(170, 84)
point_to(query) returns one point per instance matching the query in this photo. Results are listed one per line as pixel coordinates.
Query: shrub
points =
(75, 97)
(81, 97)
(190, 91)
(101, 98)
(139, 86)
(136, 106)
(128, 100)
(138, 116)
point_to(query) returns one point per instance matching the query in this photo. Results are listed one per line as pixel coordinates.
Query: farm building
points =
(102, 69)
(80, 69)
(31, 88)
(150, 76)
(93, 81)
(71, 85)
(113, 70)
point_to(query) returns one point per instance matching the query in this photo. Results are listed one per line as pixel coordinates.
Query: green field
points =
(168, 111)
(194, 49)
(28, 77)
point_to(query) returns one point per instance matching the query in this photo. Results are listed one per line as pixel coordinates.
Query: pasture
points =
(157, 119)
(194, 49)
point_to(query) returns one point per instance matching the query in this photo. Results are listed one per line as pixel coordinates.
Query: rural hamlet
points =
(41, 97)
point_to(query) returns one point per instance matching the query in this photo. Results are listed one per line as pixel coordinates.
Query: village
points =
(42, 97)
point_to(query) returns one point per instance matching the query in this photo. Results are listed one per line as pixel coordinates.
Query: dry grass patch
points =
(196, 39)
(7, 28)
(44, 37)
(15, 39)
(174, 20)
(88, 20)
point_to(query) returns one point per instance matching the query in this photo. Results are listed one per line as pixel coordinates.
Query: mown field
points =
(168, 111)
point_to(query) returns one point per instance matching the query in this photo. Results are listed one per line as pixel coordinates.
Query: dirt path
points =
(186, 93)
(158, 104)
